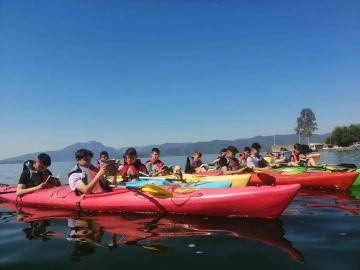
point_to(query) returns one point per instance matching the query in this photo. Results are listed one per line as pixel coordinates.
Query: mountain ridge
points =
(167, 149)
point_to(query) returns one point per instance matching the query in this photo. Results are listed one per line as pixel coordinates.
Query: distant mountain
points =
(167, 149)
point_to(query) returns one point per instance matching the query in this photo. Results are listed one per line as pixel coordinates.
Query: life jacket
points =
(87, 174)
(158, 163)
(36, 178)
(287, 155)
(194, 164)
(99, 163)
(232, 164)
(261, 161)
(135, 169)
(243, 157)
(296, 157)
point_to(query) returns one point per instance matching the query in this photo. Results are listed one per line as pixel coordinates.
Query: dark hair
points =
(297, 146)
(82, 153)
(247, 149)
(256, 146)
(223, 150)
(233, 149)
(130, 152)
(156, 150)
(282, 149)
(44, 159)
(104, 153)
(199, 153)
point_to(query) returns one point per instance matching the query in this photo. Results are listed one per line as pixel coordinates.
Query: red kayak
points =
(261, 202)
(326, 180)
(135, 227)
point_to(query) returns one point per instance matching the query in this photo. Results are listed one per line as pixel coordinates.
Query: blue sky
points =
(131, 73)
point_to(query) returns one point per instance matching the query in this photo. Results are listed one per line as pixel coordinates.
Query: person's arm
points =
(86, 189)
(216, 160)
(21, 189)
(224, 169)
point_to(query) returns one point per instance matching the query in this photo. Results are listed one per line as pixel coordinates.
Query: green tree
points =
(306, 124)
(345, 135)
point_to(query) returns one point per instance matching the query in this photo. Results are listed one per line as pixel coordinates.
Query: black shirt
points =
(25, 177)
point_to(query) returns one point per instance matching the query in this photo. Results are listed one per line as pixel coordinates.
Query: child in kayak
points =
(256, 161)
(35, 172)
(222, 154)
(85, 178)
(194, 163)
(298, 158)
(282, 157)
(244, 155)
(229, 164)
(155, 166)
(132, 166)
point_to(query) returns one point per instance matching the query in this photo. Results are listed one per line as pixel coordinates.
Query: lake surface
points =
(319, 230)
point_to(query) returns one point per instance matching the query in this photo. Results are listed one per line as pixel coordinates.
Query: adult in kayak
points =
(256, 161)
(35, 172)
(155, 166)
(298, 158)
(85, 178)
(194, 163)
(222, 154)
(133, 166)
(229, 164)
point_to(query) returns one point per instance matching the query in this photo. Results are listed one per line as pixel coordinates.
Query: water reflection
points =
(147, 232)
(317, 200)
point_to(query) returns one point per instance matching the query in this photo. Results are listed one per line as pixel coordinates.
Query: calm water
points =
(319, 230)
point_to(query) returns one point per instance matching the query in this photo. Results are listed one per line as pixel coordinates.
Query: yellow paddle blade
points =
(257, 171)
(156, 191)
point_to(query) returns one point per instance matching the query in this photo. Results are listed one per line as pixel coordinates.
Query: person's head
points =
(197, 155)
(231, 151)
(223, 152)
(42, 162)
(255, 148)
(155, 153)
(247, 151)
(104, 156)
(297, 148)
(282, 150)
(83, 157)
(130, 155)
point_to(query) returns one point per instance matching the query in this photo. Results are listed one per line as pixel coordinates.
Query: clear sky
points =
(129, 73)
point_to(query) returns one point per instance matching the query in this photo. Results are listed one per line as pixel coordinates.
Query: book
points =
(53, 181)
(167, 167)
(112, 166)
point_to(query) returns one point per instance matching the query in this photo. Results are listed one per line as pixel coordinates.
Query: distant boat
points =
(355, 145)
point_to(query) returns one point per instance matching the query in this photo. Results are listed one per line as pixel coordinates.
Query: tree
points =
(306, 123)
(345, 135)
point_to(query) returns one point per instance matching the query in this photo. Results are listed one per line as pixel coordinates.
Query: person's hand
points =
(42, 185)
(103, 170)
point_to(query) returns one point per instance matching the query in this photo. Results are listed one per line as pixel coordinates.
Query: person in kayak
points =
(298, 158)
(194, 163)
(256, 161)
(35, 172)
(282, 157)
(244, 155)
(104, 156)
(85, 178)
(133, 166)
(155, 166)
(222, 154)
(229, 164)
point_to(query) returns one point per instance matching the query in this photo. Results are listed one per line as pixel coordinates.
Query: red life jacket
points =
(100, 186)
(135, 169)
(243, 157)
(194, 164)
(158, 163)
(297, 157)
(232, 164)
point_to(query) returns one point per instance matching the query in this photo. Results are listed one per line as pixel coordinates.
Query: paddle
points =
(154, 190)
